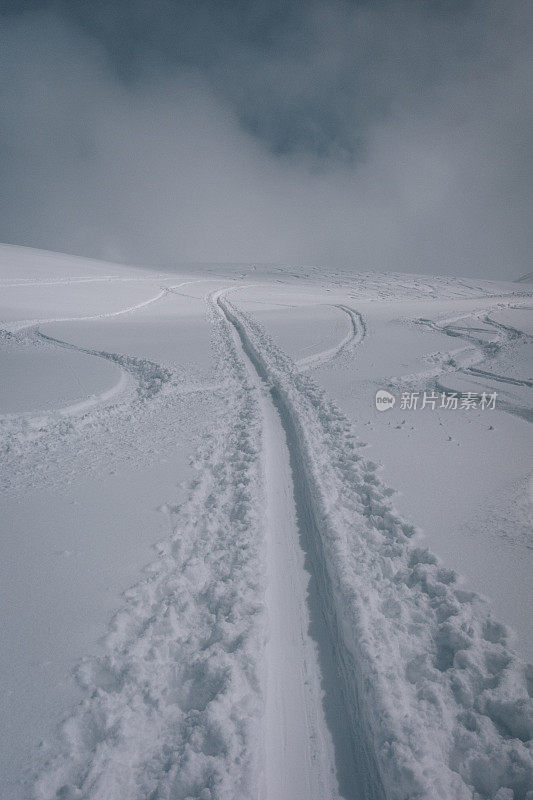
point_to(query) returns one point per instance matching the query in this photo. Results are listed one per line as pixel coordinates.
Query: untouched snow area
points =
(302, 631)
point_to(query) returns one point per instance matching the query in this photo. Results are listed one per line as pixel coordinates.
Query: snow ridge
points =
(440, 701)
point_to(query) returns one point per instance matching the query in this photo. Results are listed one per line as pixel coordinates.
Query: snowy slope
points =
(294, 637)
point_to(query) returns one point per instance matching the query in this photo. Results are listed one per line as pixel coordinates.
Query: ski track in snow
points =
(135, 419)
(18, 326)
(435, 700)
(347, 345)
(142, 384)
(424, 664)
(14, 327)
(141, 379)
(33, 442)
(484, 343)
(299, 756)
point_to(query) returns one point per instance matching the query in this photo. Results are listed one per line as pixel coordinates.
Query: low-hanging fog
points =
(364, 135)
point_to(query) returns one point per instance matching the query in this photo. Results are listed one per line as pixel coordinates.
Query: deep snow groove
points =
(354, 337)
(299, 752)
(439, 701)
(356, 769)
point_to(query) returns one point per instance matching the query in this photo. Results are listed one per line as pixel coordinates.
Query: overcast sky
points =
(369, 135)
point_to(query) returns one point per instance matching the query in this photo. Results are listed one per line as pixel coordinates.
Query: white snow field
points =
(302, 631)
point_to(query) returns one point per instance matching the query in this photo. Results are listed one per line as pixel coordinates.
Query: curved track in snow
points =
(22, 324)
(147, 376)
(400, 683)
(396, 618)
(484, 341)
(18, 326)
(354, 337)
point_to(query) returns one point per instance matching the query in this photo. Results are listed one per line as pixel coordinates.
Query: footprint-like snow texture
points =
(33, 438)
(431, 676)
(173, 707)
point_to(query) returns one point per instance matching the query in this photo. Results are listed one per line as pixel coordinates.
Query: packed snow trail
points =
(290, 618)
(438, 700)
(299, 753)
(173, 707)
(435, 700)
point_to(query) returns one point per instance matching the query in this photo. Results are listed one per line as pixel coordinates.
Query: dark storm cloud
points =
(373, 135)
(305, 77)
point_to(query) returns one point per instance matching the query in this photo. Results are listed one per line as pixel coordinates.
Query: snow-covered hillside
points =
(303, 631)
